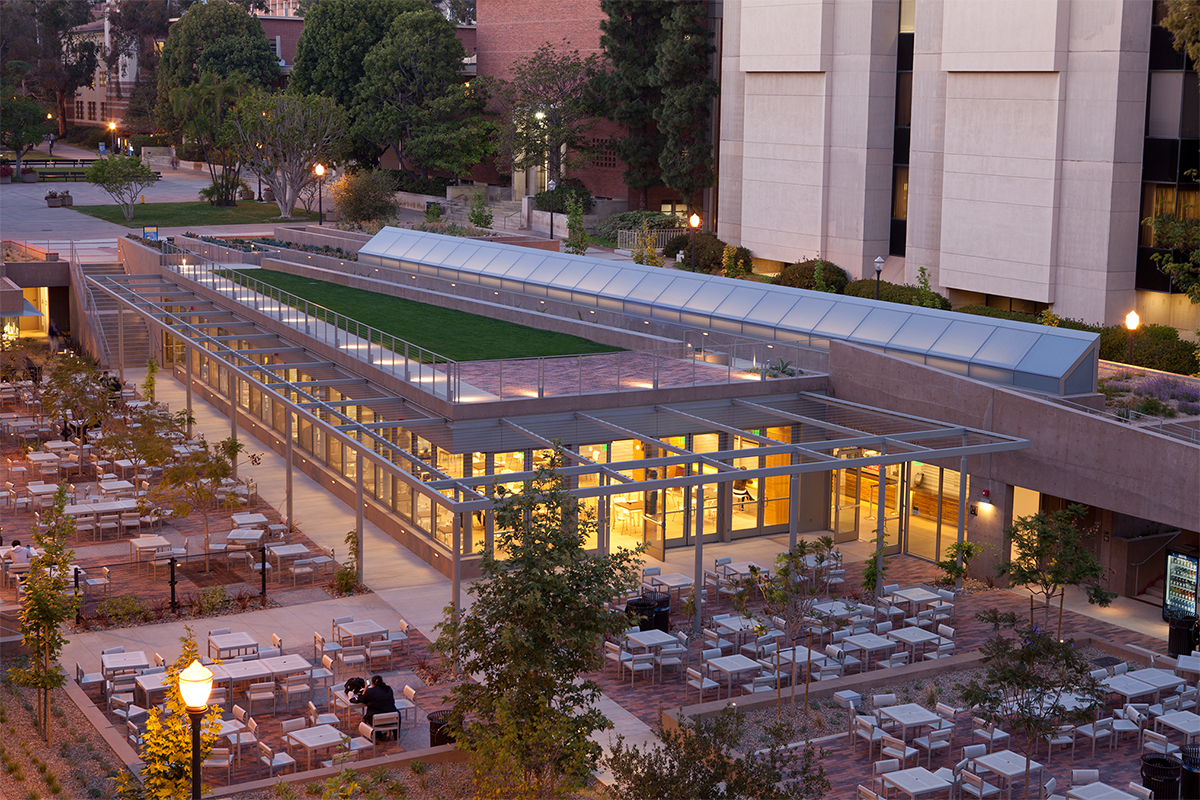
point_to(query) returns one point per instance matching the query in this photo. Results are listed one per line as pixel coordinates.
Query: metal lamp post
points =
(878, 272)
(112, 129)
(552, 185)
(694, 223)
(320, 170)
(195, 684)
(1132, 320)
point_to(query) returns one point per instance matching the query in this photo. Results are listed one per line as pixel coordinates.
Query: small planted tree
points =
(167, 741)
(123, 177)
(577, 237)
(74, 391)
(49, 602)
(193, 482)
(479, 214)
(533, 631)
(702, 760)
(1032, 684)
(1050, 553)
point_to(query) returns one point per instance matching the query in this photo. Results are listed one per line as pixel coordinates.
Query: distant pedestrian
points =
(52, 144)
(54, 334)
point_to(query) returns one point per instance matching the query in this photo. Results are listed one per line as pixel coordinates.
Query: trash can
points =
(661, 615)
(439, 732)
(1160, 774)
(640, 612)
(1181, 638)
(1189, 785)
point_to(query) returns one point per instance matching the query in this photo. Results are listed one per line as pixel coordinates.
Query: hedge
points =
(896, 293)
(710, 252)
(803, 275)
(560, 196)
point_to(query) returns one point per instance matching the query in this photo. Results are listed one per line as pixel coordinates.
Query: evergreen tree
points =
(684, 114)
(630, 38)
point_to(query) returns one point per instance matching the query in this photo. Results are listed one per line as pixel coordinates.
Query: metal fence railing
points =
(628, 240)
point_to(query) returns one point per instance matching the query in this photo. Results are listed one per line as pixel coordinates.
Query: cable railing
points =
(1139, 420)
(433, 372)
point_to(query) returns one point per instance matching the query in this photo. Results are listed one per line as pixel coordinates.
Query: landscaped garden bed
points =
(1150, 394)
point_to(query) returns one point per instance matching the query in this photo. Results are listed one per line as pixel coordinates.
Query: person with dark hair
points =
(378, 698)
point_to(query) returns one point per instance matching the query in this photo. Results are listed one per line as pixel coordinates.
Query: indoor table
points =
(1010, 766)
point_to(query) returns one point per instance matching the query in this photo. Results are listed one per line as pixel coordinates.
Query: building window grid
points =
(91, 110)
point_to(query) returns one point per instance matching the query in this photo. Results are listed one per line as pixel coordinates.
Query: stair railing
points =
(1138, 588)
(91, 317)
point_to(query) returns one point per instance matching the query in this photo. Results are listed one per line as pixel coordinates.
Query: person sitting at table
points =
(378, 698)
(20, 555)
(741, 492)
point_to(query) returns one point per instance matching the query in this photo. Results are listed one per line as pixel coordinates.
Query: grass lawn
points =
(453, 334)
(172, 215)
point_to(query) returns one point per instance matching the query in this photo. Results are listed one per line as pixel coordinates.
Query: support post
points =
(174, 604)
(358, 518)
(262, 553)
(698, 580)
(188, 353)
(962, 518)
(196, 715)
(456, 544)
(121, 342)
(234, 391)
(881, 526)
(793, 510)
(287, 435)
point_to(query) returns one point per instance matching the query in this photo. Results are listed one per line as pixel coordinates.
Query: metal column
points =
(358, 520)
(962, 518)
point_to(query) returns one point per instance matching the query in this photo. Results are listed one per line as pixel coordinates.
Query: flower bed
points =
(1154, 395)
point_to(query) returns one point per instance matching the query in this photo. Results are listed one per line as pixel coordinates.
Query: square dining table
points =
(360, 630)
(1187, 665)
(143, 544)
(281, 551)
(1186, 722)
(916, 781)
(229, 645)
(1160, 679)
(731, 667)
(1127, 686)
(915, 596)
(651, 639)
(244, 536)
(108, 488)
(843, 609)
(319, 737)
(868, 643)
(248, 519)
(913, 637)
(1098, 791)
(111, 663)
(1008, 765)
(909, 715)
(283, 666)
(672, 582)
(741, 569)
(152, 688)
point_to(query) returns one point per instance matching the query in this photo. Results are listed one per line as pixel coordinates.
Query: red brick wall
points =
(288, 29)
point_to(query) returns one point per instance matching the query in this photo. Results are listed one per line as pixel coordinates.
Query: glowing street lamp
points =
(195, 684)
(1132, 320)
(112, 129)
(694, 222)
(320, 170)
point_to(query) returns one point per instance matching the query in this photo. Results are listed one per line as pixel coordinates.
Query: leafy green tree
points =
(23, 123)
(204, 109)
(645, 252)
(1180, 239)
(364, 196)
(1050, 553)
(703, 760)
(683, 116)
(531, 634)
(167, 741)
(630, 38)
(577, 237)
(49, 602)
(218, 37)
(66, 61)
(1032, 683)
(123, 177)
(282, 137)
(547, 110)
(193, 482)
(74, 391)
(479, 214)
(413, 99)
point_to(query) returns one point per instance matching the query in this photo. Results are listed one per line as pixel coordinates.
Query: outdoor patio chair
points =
(893, 747)
(1049, 788)
(700, 683)
(322, 647)
(933, 742)
(712, 639)
(953, 775)
(614, 653)
(1129, 719)
(321, 678)
(640, 662)
(829, 672)
(379, 651)
(317, 717)
(866, 794)
(353, 657)
(895, 660)
(102, 582)
(1158, 743)
(219, 631)
(88, 679)
(333, 636)
(289, 726)
(1139, 791)
(293, 686)
(881, 768)
(365, 741)
(975, 786)
(1065, 735)
(838, 654)
(865, 729)
(1100, 729)
(383, 724)
(272, 760)
(408, 704)
(243, 738)
(1082, 777)
(219, 759)
(302, 567)
(261, 692)
(989, 733)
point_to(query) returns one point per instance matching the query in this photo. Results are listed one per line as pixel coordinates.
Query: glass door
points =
(845, 504)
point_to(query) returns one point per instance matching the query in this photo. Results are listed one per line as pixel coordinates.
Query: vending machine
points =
(1179, 591)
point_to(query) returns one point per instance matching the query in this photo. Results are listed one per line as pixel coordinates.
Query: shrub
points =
(191, 151)
(633, 220)
(5, 171)
(212, 600)
(1154, 347)
(710, 251)
(364, 196)
(479, 214)
(895, 293)
(433, 212)
(123, 610)
(736, 261)
(806, 275)
(407, 182)
(1021, 316)
(567, 189)
(225, 179)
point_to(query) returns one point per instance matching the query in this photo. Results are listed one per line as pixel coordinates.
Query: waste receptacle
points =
(1181, 636)
(1160, 774)
(640, 612)
(439, 732)
(1189, 784)
(661, 615)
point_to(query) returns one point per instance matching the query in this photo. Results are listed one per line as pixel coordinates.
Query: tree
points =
(49, 602)
(577, 237)
(364, 196)
(193, 481)
(479, 214)
(630, 38)
(547, 110)
(1180, 261)
(1032, 683)
(702, 761)
(531, 634)
(167, 741)
(66, 61)
(646, 251)
(205, 109)
(74, 391)
(23, 123)
(281, 137)
(218, 37)
(412, 98)
(681, 71)
(123, 177)
(1049, 554)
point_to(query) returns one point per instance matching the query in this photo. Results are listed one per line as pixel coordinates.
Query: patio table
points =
(732, 666)
(868, 643)
(1188, 665)
(112, 663)
(842, 609)
(43, 459)
(741, 569)
(108, 488)
(915, 596)
(244, 536)
(143, 543)
(1186, 722)
(1158, 678)
(672, 582)
(360, 630)
(283, 666)
(229, 726)
(319, 737)
(738, 627)
(913, 637)
(1008, 765)
(282, 551)
(59, 447)
(1098, 791)
(909, 715)
(1127, 686)
(915, 781)
(228, 645)
(801, 655)
(151, 686)
(246, 520)
(651, 639)
(42, 489)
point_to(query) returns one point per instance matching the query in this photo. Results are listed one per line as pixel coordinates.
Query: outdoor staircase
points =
(506, 215)
(1153, 593)
(137, 337)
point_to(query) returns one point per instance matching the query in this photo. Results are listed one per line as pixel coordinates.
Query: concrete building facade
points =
(1006, 146)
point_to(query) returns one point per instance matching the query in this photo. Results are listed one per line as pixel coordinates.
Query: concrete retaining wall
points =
(218, 253)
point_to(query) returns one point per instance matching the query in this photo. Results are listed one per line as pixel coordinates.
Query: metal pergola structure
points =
(828, 428)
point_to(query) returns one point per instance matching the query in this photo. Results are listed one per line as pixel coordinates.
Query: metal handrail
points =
(418, 365)
(1138, 566)
(1139, 420)
(93, 315)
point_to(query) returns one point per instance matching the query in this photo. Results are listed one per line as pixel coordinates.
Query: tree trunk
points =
(46, 702)
(1062, 596)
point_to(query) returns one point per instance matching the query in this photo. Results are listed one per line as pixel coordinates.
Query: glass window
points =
(900, 193)
(1157, 199)
(904, 85)
(777, 488)
(908, 16)
(1165, 105)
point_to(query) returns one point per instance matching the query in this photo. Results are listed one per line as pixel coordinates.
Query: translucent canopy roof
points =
(1036, 357)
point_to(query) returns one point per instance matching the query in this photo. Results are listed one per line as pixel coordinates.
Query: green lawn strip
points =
(169, 215)
(449, 333)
